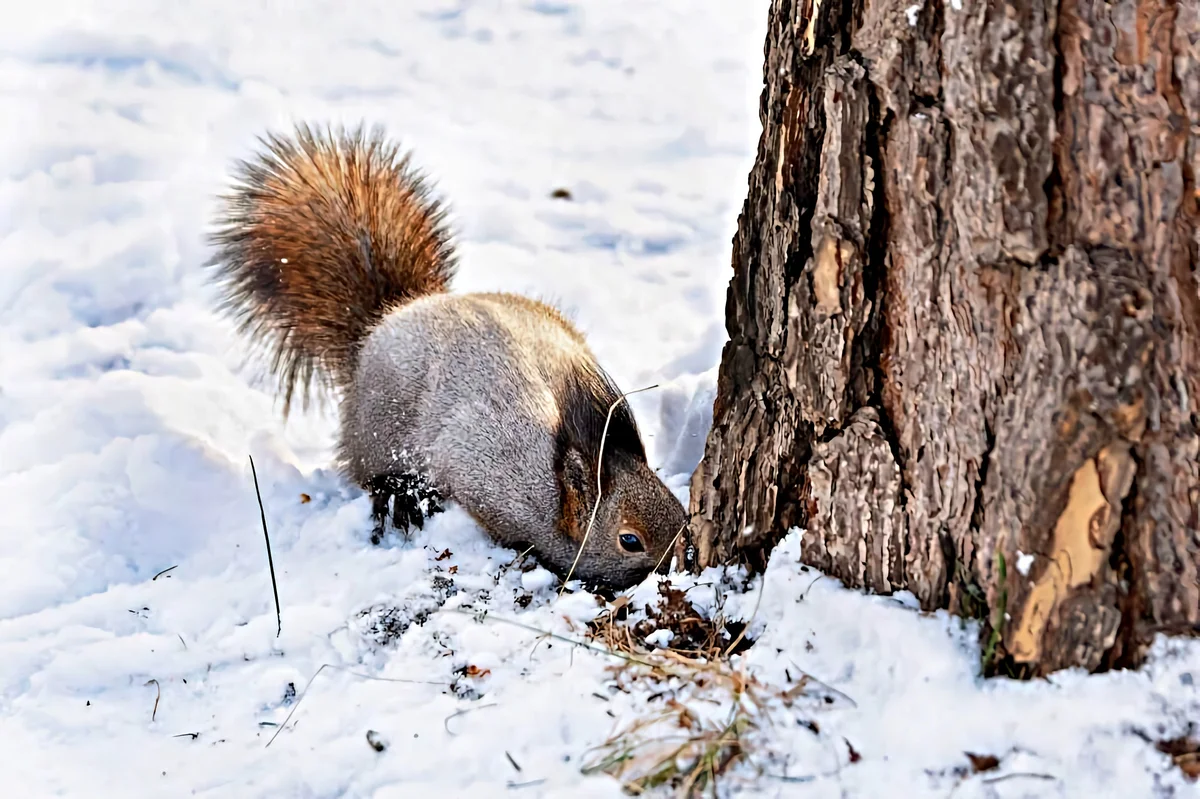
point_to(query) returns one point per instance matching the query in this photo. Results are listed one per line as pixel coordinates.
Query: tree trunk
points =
(964, 319)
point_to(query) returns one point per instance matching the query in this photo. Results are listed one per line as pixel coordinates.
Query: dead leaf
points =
(981, 763)
(561, 194)
(1185, 753)
(687, 719)
(445, 553)
(305, 499)
(1189, 765)
(854, 755)
(619, 603)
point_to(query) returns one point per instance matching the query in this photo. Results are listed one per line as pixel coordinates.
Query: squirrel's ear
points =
(576, 492)
(575, 471)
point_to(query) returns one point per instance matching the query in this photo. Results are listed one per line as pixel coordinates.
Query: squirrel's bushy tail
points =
(322, 234)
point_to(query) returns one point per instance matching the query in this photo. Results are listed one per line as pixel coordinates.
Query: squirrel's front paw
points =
(409, 497)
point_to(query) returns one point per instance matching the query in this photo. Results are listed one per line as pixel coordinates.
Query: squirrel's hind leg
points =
(409, 497)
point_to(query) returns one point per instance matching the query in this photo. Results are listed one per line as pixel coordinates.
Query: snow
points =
(138, 648)
(1025, 562)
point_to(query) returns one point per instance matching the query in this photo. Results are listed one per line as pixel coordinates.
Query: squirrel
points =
(333, 257)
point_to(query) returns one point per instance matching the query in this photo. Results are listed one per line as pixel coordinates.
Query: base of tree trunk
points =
(964, 320)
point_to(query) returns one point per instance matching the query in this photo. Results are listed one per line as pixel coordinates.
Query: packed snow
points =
(138, 646)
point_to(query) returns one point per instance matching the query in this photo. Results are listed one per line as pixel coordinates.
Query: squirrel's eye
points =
(631, 543)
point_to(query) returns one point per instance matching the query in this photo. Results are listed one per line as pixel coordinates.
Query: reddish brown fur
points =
(321, 236)
(574, 510)
(575, 492)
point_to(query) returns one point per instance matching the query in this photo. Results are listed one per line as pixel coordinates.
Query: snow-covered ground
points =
(125, 426)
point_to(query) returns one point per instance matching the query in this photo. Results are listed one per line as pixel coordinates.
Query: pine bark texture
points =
(964, 318)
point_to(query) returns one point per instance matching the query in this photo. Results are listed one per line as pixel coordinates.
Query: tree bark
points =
(964, 319)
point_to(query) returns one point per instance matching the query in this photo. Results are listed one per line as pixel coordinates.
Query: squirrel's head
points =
(626, 535)
(612, 504)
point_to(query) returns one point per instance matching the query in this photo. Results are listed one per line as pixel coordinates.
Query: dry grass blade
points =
(642, 757)
(324, 666)
(667, 552)
(270, 560)
(512, 786)
(674, 745)
(685, 749)
(157, 696)
(695, 635)
(547, 634)
(164, 571)
(677, 748)
(464, 711)
(762, 587)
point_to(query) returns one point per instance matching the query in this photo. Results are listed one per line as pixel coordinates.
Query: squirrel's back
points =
(480, 392)
(323, 233)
